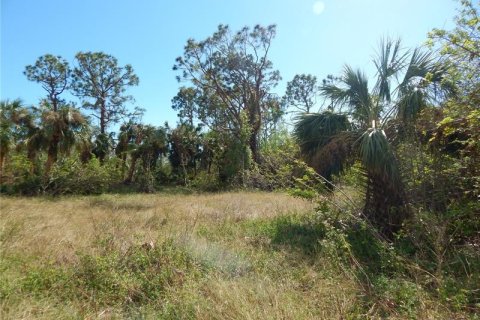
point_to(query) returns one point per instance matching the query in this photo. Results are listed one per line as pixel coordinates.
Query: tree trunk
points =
(52, 153)
(131, 171)
(255, 122)
(103, 117)
(2, 163)
(253, 144)
(385, 205)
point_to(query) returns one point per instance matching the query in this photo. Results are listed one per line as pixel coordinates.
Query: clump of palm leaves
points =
(38, 129)
(353, 129)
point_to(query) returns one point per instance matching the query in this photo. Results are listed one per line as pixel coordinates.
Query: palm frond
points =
(352, 92)
(377, 155)
(314, 130)
(390, 60)
(325, 141)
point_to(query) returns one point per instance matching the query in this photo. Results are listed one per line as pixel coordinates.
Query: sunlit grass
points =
(238, 255)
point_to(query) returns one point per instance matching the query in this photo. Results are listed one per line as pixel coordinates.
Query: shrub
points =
(70, 176)
(20, 178)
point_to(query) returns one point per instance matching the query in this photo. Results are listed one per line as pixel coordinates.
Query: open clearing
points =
(238, 255)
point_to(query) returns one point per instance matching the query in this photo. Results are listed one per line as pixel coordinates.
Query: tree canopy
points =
(234, 75)
(101, 84)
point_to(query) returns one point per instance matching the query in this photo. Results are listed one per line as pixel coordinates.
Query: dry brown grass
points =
(240, 271)
(46, 227)
(243, 285)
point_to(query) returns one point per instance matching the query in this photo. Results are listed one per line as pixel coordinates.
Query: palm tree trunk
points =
(2, 163)
(385, 204)
(52, 153)
(129, 178)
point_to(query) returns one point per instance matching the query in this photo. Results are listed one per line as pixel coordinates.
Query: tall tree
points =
(101, 83)
(234, 75)
(301, 92)
(186, 103)
(461, 48)
(58, 120)
(406, 82)
(53, 73)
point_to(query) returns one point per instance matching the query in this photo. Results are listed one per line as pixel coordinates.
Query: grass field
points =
(238, 255)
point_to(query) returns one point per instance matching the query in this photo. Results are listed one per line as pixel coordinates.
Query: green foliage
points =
(20, 178)
(314, 131)
(235, 161)
(186, 102)
(70, 176)
(324, 141)
(233, 75)
(301, 92)
(396, 296)
(101, 83)
(235, 157)
(461, 46)
(139, 276)
(8, 131)
(53, 73)
(184, 151)
(406, 82)
(204, 181)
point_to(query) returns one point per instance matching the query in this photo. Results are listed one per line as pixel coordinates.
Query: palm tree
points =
(146, 143)
(153, 146)
(7, 129)
(19, 128)
(355, 126)
(184, 149)
(60, 130)
(126, 137)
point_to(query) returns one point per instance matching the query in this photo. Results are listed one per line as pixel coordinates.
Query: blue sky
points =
(316, 37)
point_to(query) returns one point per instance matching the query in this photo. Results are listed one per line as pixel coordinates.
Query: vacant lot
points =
(221, 256)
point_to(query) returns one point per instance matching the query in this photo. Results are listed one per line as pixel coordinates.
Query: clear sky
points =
(316, 37)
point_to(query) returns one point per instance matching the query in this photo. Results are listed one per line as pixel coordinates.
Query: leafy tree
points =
(453, 131)
(185, 102)
(126, 136)
(53, 73)
(272, 116)
(461, 48)
(233, 74)
(301, 92)
(101, 83)
(407, 80)
(184, 149)
(102, 145)
(32, 137)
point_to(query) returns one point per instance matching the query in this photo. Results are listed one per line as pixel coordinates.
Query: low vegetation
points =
(218, 256)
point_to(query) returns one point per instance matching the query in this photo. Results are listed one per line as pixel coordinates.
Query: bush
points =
(138, 276)
(70, 176)
(20, 179)
(206, 182)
